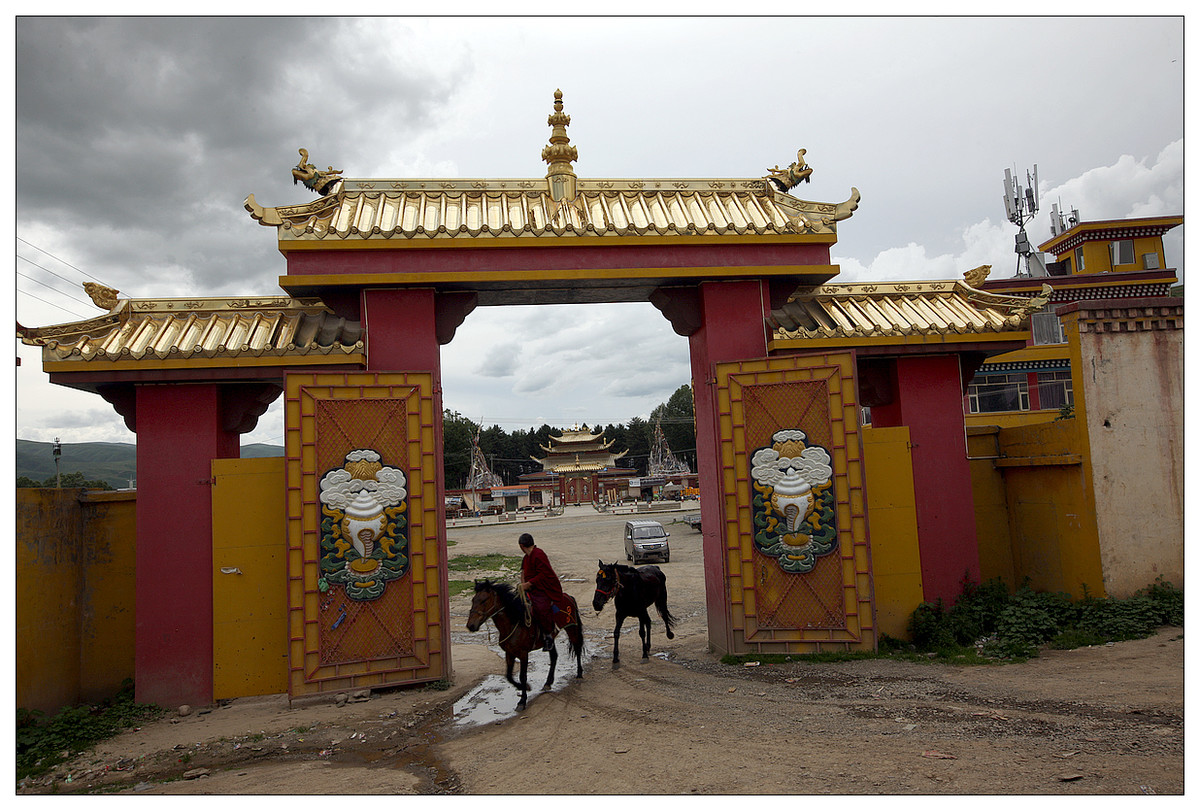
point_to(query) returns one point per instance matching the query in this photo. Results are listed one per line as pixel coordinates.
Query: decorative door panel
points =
(795, 537)
(366, 581)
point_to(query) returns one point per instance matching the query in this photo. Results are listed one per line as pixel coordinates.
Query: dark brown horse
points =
(502, 604)
(632, 591)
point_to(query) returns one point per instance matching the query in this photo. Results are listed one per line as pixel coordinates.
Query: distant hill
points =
(113, 462)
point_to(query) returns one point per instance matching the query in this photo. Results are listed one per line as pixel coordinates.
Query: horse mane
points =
(514, 606)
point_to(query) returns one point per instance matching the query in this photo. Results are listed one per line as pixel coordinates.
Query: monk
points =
(545, 592)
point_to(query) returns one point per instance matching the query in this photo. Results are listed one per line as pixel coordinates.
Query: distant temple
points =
(581, 463)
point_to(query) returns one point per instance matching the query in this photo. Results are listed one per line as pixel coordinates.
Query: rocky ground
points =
(1102, 720)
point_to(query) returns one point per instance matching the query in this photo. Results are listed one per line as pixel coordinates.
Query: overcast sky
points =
(137, 140)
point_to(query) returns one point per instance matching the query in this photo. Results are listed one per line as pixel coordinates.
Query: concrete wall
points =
(74, 601)
(1127, 371)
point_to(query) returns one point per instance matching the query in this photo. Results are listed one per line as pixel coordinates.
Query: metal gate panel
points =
(366, 584)
(249, 596)
(797, 553)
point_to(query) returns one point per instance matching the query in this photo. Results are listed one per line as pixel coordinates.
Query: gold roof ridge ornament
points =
(313, 178)
(977, 276)
(560, 155)
(796, 173)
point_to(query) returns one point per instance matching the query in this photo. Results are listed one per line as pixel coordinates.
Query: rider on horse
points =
(541, 585)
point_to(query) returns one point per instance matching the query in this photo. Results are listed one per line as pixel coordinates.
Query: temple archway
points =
(380, 274)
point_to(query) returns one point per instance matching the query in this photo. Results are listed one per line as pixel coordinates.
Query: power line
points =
(47, 270)
(49, 287)
(55, 258)
(52, 304)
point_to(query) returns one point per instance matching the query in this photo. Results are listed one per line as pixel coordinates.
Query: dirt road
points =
(1104, 720)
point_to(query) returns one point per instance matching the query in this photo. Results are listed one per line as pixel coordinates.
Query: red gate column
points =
(179, 433)
(928, 399)
(732, 328)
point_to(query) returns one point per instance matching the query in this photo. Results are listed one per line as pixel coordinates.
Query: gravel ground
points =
(1103, 720)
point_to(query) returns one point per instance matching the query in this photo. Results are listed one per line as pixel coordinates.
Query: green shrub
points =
(930, 629)
(1031, 617)
(1012, 626)
(1165, 600)
(43, 744)
(974, 614)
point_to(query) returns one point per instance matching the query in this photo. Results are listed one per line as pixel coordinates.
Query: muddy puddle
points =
(494, 700)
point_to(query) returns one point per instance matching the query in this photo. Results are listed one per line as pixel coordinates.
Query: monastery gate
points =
(380, 273)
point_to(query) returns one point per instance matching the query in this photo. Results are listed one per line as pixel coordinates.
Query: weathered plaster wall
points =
(74, 601)
(1127, 369)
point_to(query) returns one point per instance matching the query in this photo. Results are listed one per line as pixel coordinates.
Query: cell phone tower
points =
(1021, 205)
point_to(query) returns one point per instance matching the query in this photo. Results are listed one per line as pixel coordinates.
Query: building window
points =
(998, 393)
(1121, 251)
(1079, 259)
(1047, 329)
(1054, 389)
(1150, 261)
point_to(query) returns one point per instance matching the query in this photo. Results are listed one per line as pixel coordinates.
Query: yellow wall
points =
(892, 515)
(1098, 259)
(992, 530)
(1050, 507)
(1011, 419)
(74, 600)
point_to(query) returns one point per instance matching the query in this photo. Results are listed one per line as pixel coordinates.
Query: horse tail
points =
(660, 602)
(575, 641)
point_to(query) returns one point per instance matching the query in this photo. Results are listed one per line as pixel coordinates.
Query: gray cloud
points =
(138, 138)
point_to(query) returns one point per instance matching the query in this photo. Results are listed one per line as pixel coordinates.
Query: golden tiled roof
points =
(872, 310)
(405, 211)
(187, 329)
(438, 210)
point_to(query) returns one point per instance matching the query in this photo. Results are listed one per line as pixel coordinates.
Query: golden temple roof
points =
(426, 211)
(395, 212)
(166, 331)
(897, 309)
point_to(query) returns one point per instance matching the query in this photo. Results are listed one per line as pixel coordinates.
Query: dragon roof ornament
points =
(313, 178)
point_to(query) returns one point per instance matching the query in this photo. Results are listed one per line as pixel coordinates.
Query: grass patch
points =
(43, 743)
(457, 587)
(491, 562)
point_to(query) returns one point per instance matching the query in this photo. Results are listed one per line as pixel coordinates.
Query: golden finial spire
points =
(559, 154)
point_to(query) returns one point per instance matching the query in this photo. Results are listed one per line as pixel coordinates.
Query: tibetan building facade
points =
(1093, 262)
(580, 467)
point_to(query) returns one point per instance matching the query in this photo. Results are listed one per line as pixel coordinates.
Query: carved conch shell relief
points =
(364, 531)
(794, 501)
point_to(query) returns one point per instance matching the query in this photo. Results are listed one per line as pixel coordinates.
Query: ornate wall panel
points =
(796, 543)
(365, 580)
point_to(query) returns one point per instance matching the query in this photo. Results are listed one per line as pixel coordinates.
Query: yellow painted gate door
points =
(366, 579)
(797, 555)
(249, 582)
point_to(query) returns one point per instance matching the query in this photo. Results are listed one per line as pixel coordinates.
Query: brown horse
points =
(500, 603)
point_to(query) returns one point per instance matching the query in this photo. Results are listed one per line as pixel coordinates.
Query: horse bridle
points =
(497, 610)
(616, 587)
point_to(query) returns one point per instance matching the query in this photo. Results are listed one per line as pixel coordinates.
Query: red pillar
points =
(732, 328)
(927, 397)
(179, 433)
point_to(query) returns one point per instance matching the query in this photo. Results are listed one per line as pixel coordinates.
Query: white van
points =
(646, 539)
